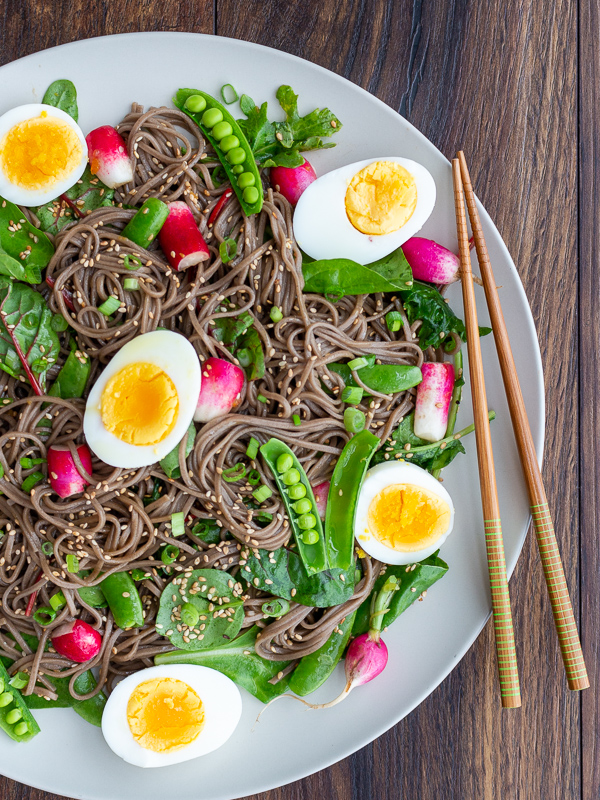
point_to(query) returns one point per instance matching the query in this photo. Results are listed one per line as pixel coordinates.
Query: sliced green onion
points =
(131, 284)
(296, 419)
(47, 548)
(28, 463)
(177, 524)
(276, 314)
(393, 319)
(254, 477)
(264, 516)
(235, 473)
(141, 574)
(31, 481)
(354, 420)
(44, 616)
(352, 394)
(232, 94)
(228, 250)
(109, 306)
(276, 607)
(262, 493)
(58, 600)
(72, 563)
(252, 449)
(137, 262)
(169, 554)
(358, 363)
(21, 679)
(189, 615)
(261, 398)
(1, 471)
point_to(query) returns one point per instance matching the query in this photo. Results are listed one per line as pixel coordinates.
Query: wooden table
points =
(517, 85)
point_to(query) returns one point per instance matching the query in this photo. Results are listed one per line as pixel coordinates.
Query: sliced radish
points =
(77, 641)
(321, 492)
(63, 474)
(180, 239)
(292, 181)
(221, 389)
(433, 401)
(108, 156)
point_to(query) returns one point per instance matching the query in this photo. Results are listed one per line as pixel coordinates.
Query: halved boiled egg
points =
(166, 715)
(141, 406)
(403, 513)
(42, 154)
(364, 211)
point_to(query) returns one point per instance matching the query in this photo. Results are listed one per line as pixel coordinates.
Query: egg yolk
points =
(140, 404)
(39, 152)
(407, 518)
(165, 714)
(381, 198)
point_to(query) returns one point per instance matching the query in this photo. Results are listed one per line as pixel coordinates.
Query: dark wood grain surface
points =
(516, 85)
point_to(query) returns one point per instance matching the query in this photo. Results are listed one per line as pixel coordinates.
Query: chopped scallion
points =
(254, 477)
(43, 616)
(72, 563)
(58, 600)
(296, 419)
(229, 94)
(276, 314)
(21, 679)
(127, 261)
(228, 250)
(31, 481)
(109, 306)
(177, 524)
(352, 394)
(47, 548)
(261, 398)
(235, 473)
(262, 493)
(354, 420)
(131, 284)
(169, 554)
(276, 607)
(393, 319)
(358, 363)
(252, 449)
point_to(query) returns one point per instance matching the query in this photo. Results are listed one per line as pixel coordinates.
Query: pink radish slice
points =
(321, 492)
(64, 476)
(77, 641)
(292, 181)
(431, 261)
(433, 401)
(180, 239)
(221, 389)
(108, 156)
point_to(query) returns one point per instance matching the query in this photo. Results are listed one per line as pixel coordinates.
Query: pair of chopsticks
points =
(554, 575)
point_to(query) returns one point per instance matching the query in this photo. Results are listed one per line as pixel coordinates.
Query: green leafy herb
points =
(342, 276)
(285, 571)
(239, 661)
(413, 582)
(242, 338)
(201, 588)
(20, 239)
(63, 94)
(88, 194)
(12, 268)
(170, 463)
(280, 143)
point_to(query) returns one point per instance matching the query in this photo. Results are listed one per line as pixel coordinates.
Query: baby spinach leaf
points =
(88, 194)
(63, 94)
(220, 614)
(12, 268)
(29, 344)
(424, 302)
(342, 276)
(18, 237)
(229, 329)
(386, 378)
(239, 661)
(208, 531)
(170, 463)
(239, 334)
(284, 571)
(413, 582)
(434, 455)
(90, 710)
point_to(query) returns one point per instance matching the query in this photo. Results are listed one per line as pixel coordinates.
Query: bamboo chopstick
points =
(562, 609)
(508, 672)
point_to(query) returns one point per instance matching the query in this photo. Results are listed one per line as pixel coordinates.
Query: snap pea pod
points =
(385, 378)
(313, 670)
(15, 718)
(230, 144)
(346, 482)
(73, 376)
(144, 227)
(300, 504)
(17, 236)
(123, 600)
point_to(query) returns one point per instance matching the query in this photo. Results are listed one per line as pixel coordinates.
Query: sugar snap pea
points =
(144, 227)
(229, 142)
(313, 670)
(123, 600)
(307, 528)
(15, 718)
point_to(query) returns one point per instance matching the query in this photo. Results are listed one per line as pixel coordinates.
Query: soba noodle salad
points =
(227, 391)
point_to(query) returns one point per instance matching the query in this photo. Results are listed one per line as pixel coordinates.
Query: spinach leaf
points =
(239, 334)
(424, 302)
(413, 582)
(284, 571)
(435, 455)
(208, 531)
(29, 344)
(386, 378)
(170, 463)
(19, 237)
(239, 661)
(63, 94)
(88, 194)
(90, 710)
(12, 268)
(342, 276)
(229, 329)
(209, 592)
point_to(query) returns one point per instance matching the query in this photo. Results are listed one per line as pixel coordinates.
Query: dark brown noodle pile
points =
(109, 528)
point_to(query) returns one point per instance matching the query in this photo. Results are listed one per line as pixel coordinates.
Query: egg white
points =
(172, 353)
(29, 197)
(377, 479)
(323, 230)
(222, 711)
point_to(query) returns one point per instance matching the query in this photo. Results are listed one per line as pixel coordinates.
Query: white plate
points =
(428, 641)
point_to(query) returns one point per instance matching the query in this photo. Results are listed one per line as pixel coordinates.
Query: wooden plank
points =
(589, 333)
